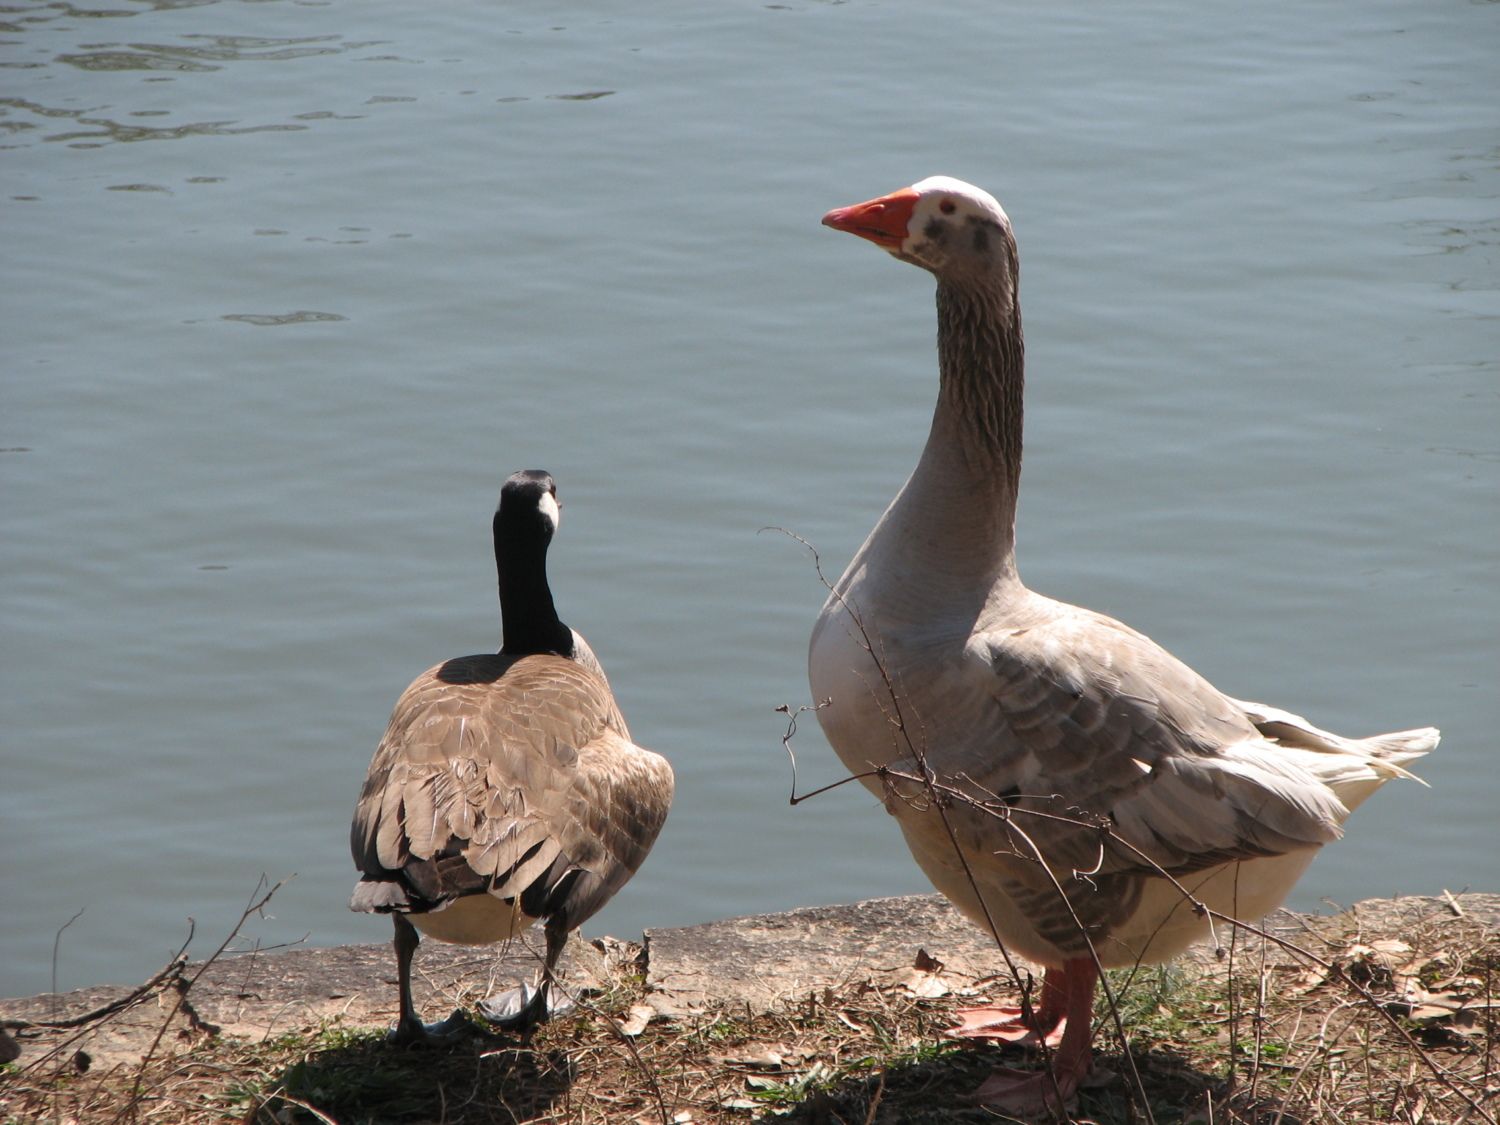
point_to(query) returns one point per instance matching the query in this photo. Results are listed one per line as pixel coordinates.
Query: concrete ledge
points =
(760, 961)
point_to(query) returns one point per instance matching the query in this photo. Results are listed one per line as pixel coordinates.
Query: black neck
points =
(527, 615)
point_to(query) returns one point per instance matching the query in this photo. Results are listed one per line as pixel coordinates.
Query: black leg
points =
(538, 1007)
(557, 938)
(409, 1028)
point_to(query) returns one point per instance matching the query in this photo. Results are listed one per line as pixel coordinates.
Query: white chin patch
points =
(551, 510)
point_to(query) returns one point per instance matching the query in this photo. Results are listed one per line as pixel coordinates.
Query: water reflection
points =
(163, 61)
(276, 320)
(205, 56)
(136, 58)
(107, 130)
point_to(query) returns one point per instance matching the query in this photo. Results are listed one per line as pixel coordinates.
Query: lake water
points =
(292, 287)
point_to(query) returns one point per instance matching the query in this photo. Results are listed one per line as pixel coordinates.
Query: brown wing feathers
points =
(509, 776)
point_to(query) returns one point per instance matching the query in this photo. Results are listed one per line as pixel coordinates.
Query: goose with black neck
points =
(507, 788)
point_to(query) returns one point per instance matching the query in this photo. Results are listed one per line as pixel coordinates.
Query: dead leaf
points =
(1307, 980)
(925, 963)
(1430, 1012)
(850, 1024)
(637, 1019)
(1366, 965)
(928, 986)
(761, 1056)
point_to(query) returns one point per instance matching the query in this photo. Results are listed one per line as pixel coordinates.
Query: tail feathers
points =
(1403, 746)
(1386, 754)
(379, 896)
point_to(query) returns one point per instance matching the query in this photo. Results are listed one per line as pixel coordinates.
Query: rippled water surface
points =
(291, 287)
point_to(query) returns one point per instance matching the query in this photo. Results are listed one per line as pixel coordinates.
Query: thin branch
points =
(172, 969)
(185, 984)
(57, 944)
(786, 744)
(941, 795)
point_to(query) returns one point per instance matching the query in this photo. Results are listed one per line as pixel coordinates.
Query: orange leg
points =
(1019, 1091)
(1003, 1024)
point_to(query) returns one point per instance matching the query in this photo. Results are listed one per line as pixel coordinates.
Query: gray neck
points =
(963, 492)
(981, 379)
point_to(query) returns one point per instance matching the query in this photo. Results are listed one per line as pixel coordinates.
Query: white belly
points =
(473, 920)
(869, 714)
(1163, 924)
(844, 681)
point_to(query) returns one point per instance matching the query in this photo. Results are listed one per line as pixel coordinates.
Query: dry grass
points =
(1396, 1027)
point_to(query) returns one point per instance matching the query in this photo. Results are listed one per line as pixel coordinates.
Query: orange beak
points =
(883, 221)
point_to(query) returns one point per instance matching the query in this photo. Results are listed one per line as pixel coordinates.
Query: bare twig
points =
(57, 944)
(940, 794)
(257, 902)
(172, 969)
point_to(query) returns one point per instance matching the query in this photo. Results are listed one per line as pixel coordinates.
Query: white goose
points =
(506, 788)
(1076, 740)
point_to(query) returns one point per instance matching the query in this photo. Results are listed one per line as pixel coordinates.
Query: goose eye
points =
(947, 207)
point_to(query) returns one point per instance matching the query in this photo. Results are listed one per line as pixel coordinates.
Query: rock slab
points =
(760, 961)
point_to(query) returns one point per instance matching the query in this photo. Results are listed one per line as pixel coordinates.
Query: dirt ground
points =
(1356, 1017)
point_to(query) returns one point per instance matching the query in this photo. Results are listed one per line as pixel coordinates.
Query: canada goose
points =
(1062, 736)
(506, 788)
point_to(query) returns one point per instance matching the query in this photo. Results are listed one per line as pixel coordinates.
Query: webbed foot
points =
(409, 1030)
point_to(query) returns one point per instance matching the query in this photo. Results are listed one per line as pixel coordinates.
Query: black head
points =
(525, 521)
(528, 507)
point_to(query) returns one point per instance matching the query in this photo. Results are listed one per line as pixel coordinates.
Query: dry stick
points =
(928, 781)
(937, 791)
(57, 943)
(1003, 813)
(107, 1010)
(1234, 1008)
(786, 744)
(1324, 1047)
(635, 1054)
(1489, 1016)
(1111, 999)
(885, 773)
(619, 1032)
(173, 967)
(1201, 908)
(928, 778)
(1260, 1018)
(308, 1106)
(1440, 1072)
(876, 1098)
(1297, 1078)
(1334, 971)
(140, 1076)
